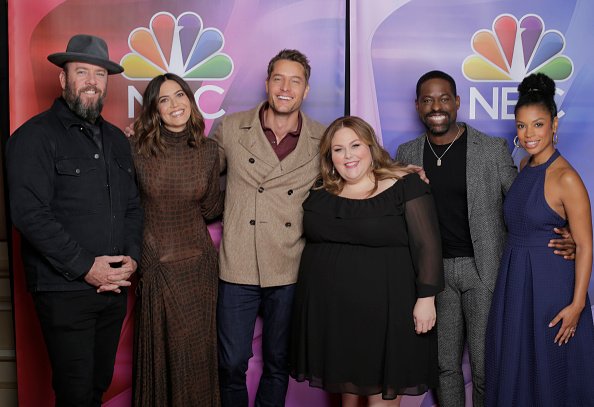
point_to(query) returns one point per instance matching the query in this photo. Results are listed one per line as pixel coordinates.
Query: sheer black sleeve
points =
(425, 244)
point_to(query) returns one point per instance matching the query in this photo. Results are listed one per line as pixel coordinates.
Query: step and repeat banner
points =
(221, 48)
(488, 47)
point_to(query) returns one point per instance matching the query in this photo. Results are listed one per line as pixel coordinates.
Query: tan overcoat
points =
(262, 224)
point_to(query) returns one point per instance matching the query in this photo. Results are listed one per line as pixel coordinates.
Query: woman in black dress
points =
(364, 305)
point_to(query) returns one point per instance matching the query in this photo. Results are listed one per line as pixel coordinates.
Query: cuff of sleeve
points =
(79, 266)
(424, 290)
(133, 252)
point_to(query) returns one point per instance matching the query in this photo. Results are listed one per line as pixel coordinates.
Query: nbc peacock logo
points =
(515, 49)
(179, 45)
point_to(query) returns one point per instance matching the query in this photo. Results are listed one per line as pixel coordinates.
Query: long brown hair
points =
(147, 126)
(383, 167)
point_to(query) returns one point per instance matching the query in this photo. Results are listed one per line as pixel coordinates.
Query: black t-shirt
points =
(448, 184)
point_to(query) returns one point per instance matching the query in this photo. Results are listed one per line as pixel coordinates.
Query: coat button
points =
(252, 222)
(251, 160)
(261, 189)
(290, 192)
(288, 224)
(77, 170)
(96, 156)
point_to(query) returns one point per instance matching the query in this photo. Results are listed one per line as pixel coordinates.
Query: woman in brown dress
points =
(178, 175)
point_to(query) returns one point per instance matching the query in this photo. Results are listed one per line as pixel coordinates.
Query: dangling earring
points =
(517, 142)
(555, 139)
(333, 172)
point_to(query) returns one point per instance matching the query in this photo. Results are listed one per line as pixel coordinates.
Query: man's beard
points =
(440, 129)
(88, 112)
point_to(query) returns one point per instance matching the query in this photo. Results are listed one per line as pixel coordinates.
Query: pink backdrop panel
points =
(252, 30)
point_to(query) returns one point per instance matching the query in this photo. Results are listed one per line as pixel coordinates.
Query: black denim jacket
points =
(70, 199)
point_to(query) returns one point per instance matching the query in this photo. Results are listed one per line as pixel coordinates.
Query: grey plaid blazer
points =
(490, 172)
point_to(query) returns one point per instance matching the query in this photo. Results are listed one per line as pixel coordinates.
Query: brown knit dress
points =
(175, 336)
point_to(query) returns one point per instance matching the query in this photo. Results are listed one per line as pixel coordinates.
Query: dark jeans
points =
(81, 331)
(237, 309)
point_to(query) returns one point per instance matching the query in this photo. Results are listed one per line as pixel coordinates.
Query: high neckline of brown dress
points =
(173, 136)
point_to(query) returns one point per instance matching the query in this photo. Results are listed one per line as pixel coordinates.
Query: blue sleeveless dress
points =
(524, 367)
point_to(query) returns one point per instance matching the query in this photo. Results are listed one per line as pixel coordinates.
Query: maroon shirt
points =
(288, 143)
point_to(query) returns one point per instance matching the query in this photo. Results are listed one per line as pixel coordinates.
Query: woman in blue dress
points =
(540, 336)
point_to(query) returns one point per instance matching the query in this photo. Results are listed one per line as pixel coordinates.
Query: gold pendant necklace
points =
(444, 153)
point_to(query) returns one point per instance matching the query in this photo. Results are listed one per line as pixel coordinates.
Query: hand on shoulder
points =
(410, 168)
(406, 171)
(129, 130)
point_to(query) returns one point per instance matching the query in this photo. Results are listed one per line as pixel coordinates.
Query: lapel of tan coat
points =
(256, 143)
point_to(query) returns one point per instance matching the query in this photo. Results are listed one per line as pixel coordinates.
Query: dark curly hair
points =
(537, 89)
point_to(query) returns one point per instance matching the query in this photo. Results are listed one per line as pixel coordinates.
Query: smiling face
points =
(350, 156)
(173, 106)
(437, 106)
(286, 87)
(83, 87)
(535, 129)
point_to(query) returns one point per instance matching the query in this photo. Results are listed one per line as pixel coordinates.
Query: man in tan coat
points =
(270, 155)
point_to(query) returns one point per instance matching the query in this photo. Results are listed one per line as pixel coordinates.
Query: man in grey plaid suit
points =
(470, 173)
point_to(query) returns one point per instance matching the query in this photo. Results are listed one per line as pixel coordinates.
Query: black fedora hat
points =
(89, 49)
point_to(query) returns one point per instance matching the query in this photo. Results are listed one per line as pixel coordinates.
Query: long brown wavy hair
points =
(383, 167)
(147, 126)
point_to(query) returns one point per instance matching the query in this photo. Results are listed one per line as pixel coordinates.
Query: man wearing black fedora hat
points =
(74, 199)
